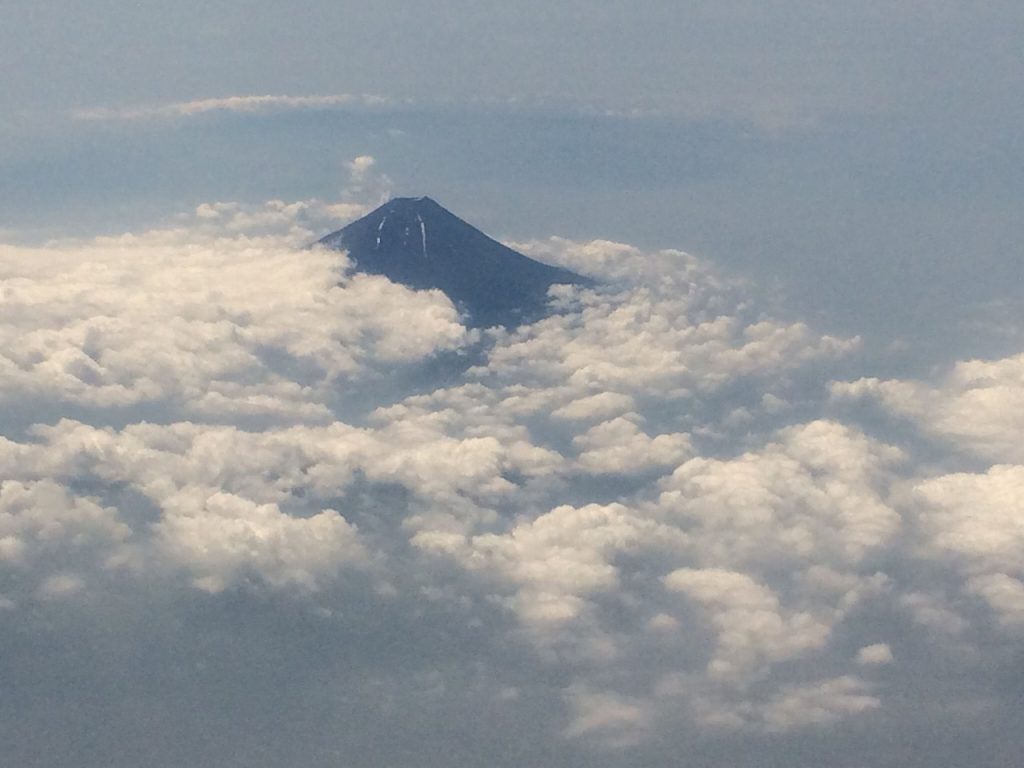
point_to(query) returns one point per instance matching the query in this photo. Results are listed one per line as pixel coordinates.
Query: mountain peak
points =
(419, 243)
(412, 201)
(422, 204)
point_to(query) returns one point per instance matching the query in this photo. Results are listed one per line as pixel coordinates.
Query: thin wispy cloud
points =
(252, 104)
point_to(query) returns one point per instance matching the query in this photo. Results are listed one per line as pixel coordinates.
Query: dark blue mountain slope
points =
(416, 242)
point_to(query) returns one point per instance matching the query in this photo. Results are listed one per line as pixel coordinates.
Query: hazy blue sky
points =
(758, 505)
(866, 154)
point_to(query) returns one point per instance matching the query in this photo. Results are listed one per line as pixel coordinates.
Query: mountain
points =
(418, 243)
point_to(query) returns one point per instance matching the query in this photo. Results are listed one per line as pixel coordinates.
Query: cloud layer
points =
(657, 516)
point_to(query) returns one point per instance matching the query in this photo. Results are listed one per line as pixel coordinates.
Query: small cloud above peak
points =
(360, 166)
(366, 185)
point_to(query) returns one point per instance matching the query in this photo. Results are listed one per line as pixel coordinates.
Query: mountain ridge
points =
(417, 242)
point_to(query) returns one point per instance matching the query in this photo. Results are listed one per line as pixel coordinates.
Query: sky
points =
(753, 498)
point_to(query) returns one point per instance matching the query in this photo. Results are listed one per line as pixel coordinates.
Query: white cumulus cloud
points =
(644, 512)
